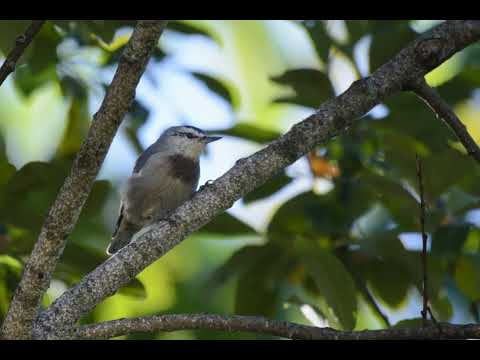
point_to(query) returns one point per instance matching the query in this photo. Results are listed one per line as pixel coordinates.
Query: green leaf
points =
(136, 118)
(30, 192)
(312, 87)
(389, 37)
(134, 288)
(400, 203)
(387, 270)
(448, 240)
(467, 276)
(239, 262)
(257, 287)
(310, 217)
(215, 86)
(105, 29)
(77, 128)
(334, 285)
(226, 224)
(322, 41)
(269, 188)
(458, 201)
(408, 323)
(44, 48)
(249, 132)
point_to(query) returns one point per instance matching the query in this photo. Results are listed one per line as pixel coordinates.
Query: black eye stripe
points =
(188, 135)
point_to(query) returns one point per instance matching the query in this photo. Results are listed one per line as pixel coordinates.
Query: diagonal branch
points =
(443, 111)
(21, 43)
(66, 209)
(333, 117)
(265, 326)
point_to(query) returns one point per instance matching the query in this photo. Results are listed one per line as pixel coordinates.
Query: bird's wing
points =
(143, 158)
(119, 220)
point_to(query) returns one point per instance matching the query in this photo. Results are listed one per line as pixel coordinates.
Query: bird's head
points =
(186, 140)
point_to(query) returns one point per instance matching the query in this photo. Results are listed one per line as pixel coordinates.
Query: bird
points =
(165, 175)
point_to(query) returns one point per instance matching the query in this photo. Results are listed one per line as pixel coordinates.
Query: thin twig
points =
(21, 43)
(260, 325)
(443, 111)
(424, 242)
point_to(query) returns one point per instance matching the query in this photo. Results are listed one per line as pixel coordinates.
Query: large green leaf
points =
(249, 132)
(448, 240)
(334, 285)
(467, 276)
(269, 188)
(389, 37)
(226, 224)
(30, 192)
(258, 285)
(214, 85)
(312, 87)
(322, 41)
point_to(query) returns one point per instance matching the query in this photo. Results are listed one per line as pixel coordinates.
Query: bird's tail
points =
(122, 236)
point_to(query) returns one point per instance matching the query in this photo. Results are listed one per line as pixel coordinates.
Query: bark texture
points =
(261, 325)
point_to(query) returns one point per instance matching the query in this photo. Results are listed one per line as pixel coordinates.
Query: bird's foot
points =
(207, 184)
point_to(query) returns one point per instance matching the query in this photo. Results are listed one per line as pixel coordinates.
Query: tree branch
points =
(66, 209)
(261, 325)
(333, 117)
(21, 43)
(443, 111)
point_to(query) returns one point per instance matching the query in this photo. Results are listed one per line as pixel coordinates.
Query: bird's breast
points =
(184, 169)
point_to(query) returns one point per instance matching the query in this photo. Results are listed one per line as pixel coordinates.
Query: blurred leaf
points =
(226, 224)
(335, 285)
(9, 30)
(309, 217)
(311, 87)
(322, 41)
(215, 86)
(256, 292)
(239, 262)
(30, 192)
(105, 29)
(458, 201)
(442, 307)
(28, 80)
(249, 132)
(387, 272)
(400, 203)
(269, 188)
(136, 118)
(44, 48)
(467, 276)
(77, 128)
(188, 29)
(134, 288)
(448, 240)
(407, 323)
(388, 282)
(389, 37)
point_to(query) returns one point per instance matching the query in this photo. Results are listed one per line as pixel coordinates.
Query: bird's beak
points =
(209, 139)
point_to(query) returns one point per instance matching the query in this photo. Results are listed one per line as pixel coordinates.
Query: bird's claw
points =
(207, 184)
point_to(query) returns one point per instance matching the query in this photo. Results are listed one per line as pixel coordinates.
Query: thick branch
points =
(261, 325)
(21, 43)
(443, 111)
(333, 117)
(65, 211)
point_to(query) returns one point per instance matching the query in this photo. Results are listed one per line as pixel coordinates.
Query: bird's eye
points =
(190, 136)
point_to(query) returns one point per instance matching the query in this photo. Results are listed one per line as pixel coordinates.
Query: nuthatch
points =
(165, 175)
